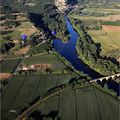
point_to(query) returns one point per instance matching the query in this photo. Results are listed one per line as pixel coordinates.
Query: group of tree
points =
(43, 14)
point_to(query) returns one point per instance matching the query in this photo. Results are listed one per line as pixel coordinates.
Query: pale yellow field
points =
(109, 40)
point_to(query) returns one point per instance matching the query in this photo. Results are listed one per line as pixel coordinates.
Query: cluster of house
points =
(35, 67)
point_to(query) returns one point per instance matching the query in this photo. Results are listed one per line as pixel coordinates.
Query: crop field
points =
(47, 59)
(24, 89)
(88, 103)
(111, 23)
(45, 109)
(9, 65)
(67, 105)
(109, 40)
(24, 28)
(39, 49)
(102, 10)
(106, 110)
(25, 25)
(114, 53)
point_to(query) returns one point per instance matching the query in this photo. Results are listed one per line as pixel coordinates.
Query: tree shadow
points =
(37, 115)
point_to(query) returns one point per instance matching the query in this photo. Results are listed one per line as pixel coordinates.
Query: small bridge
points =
(106, 78)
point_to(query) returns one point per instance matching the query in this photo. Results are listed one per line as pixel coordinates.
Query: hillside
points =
(45, 10)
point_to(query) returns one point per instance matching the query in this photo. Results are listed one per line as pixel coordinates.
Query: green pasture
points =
(41, 48)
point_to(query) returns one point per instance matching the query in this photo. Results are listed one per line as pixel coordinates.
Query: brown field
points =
(111, 28)
(22, 51)
(110, 18)
(4, 76)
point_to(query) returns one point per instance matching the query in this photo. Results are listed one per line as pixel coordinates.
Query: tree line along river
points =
(68, 51)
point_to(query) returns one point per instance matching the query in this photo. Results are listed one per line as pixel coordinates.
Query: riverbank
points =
(71, 68)
(68, 51)
(89, 53)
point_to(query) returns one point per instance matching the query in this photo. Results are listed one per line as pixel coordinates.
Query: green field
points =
(23, 89)
(112, 23)
(88, 103)
(15, 35)
(47, 59)
(9, 65)
(41, 48)
(25, 25)
(45, 108)
(101, 10)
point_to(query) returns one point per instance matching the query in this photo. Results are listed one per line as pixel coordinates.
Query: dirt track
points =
(4, 76)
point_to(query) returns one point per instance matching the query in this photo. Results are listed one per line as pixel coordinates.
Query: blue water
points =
(68, 51)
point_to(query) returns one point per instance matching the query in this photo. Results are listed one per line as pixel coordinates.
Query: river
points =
(68, 51)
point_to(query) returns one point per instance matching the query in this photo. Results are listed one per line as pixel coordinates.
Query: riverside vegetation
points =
(89, 52)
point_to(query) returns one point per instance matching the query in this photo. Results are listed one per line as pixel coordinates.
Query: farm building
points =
(36, 67)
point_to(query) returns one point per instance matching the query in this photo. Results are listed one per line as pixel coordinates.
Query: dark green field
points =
(88, 103)
(23, 89)
(9, 65)
(112, 23)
